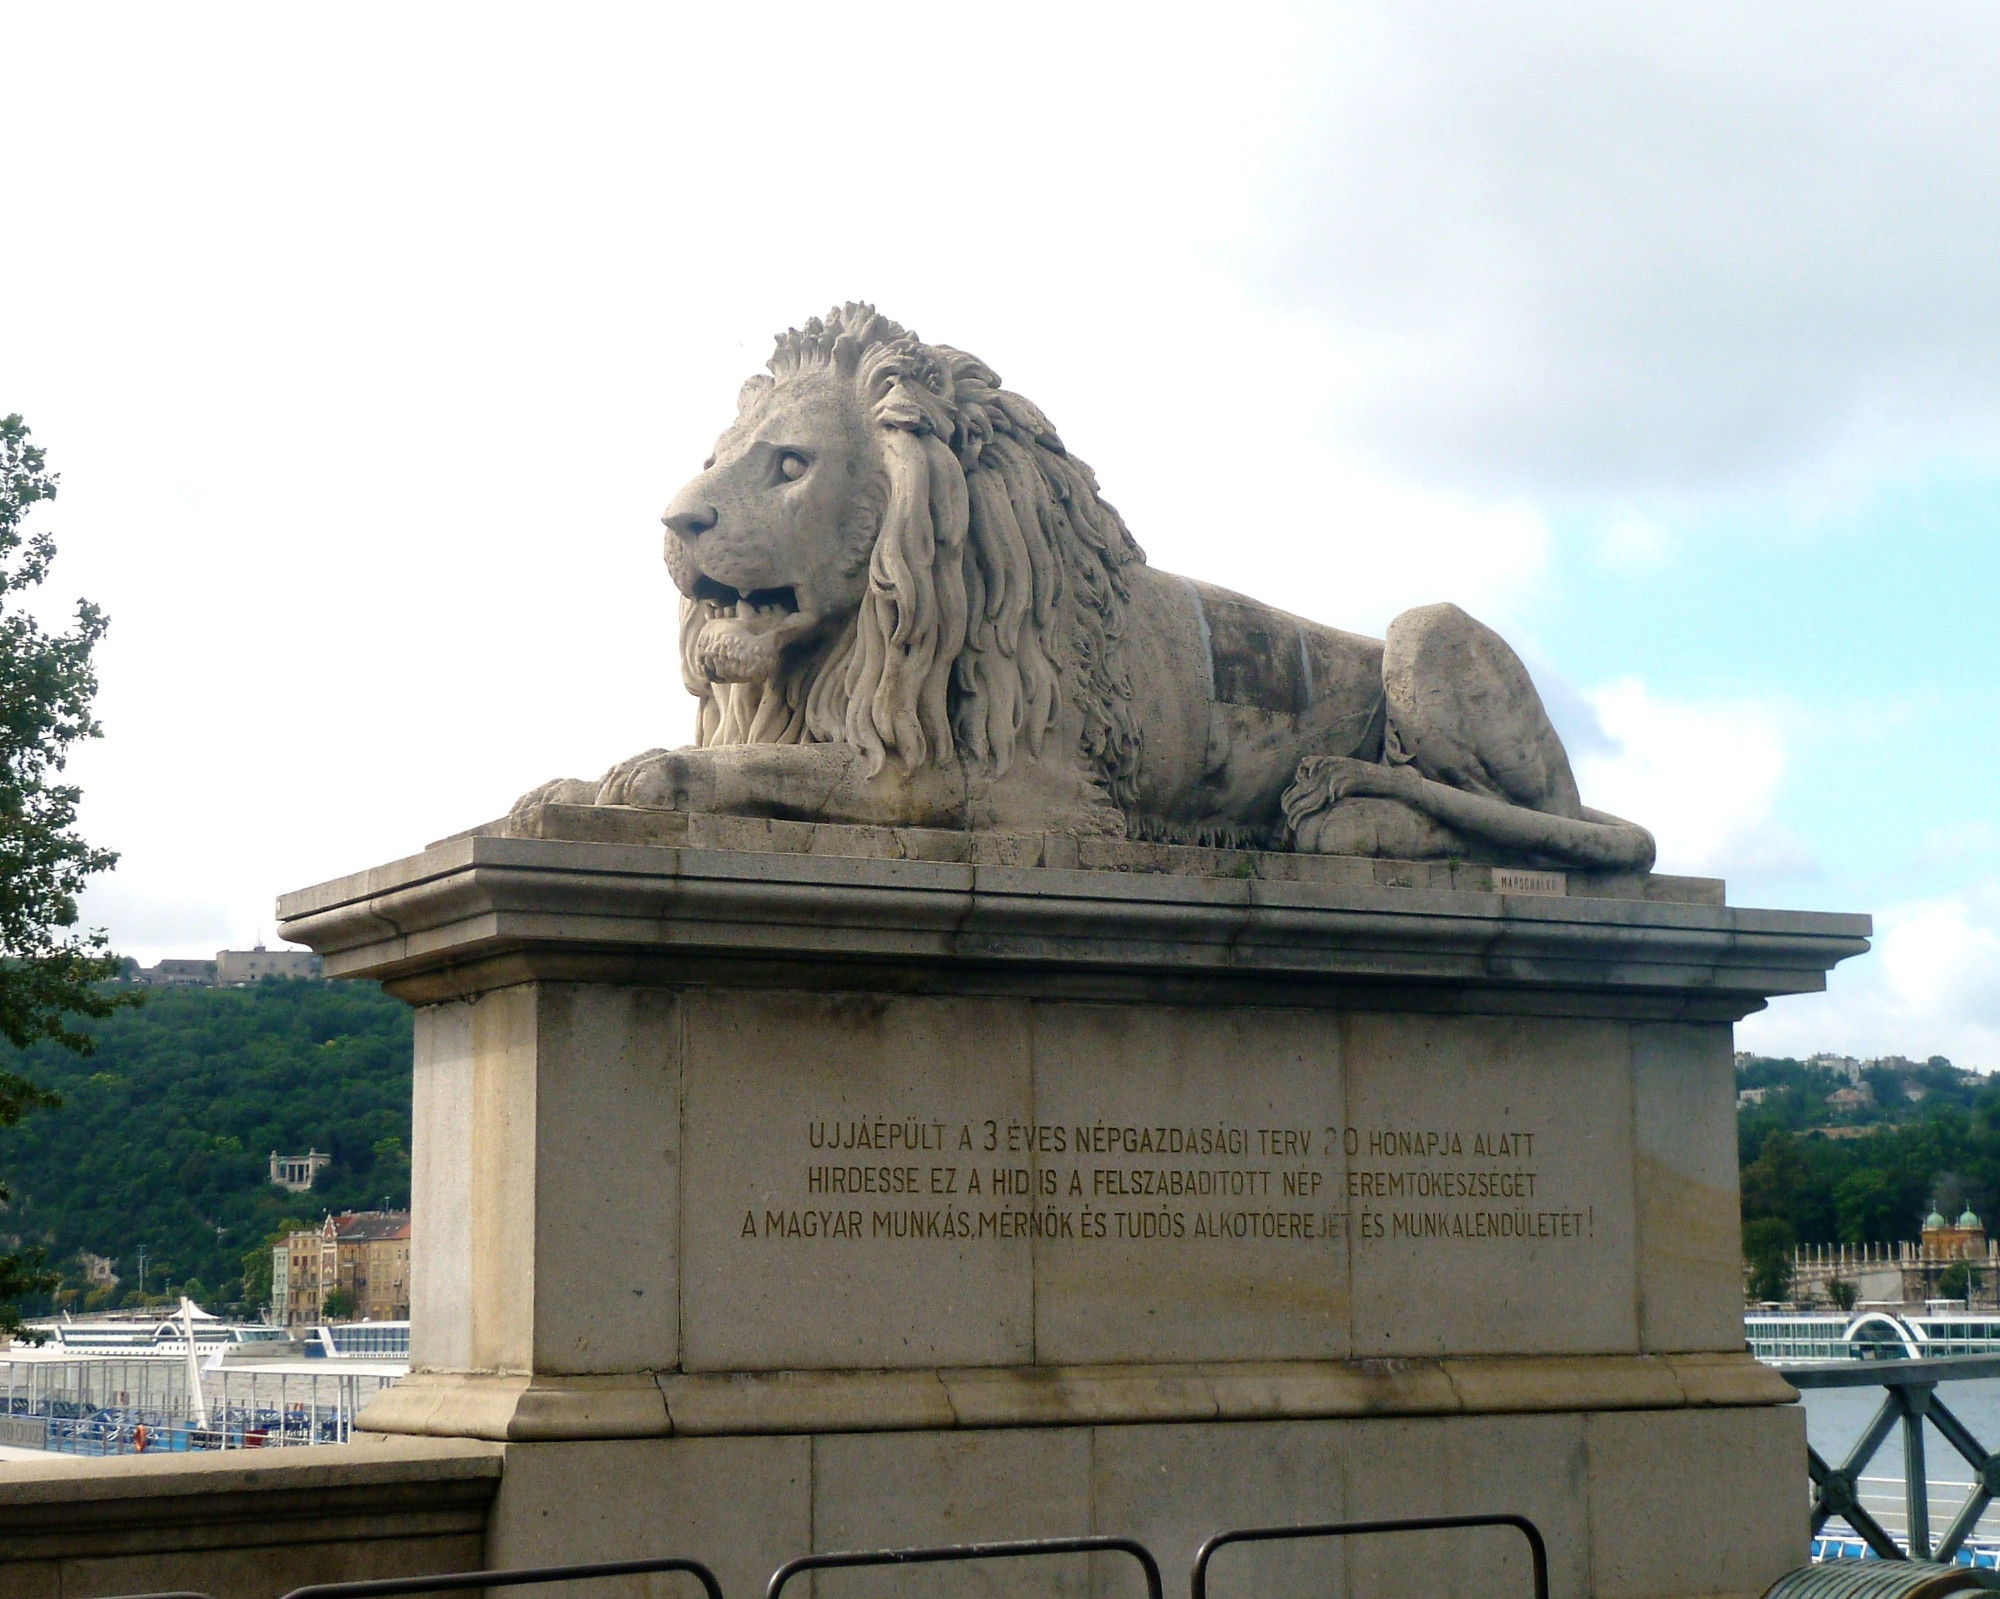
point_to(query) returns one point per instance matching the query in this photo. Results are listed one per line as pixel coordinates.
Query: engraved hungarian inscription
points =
(895, 1178)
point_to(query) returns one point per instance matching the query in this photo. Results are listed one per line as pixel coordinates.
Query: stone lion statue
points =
(904, 602)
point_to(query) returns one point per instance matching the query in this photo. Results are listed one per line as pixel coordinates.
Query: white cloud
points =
(152, 915)
(1953, 844)
(1636, 544)
(1647, 246)
(1703, 775)
(1931, 986)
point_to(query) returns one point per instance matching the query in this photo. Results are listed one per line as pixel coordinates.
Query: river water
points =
(1835, 1418)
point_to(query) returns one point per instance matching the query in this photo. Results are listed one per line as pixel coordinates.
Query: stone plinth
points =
(784, 1186)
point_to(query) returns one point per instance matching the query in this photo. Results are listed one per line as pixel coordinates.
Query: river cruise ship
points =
(1870, 1332)
(132, 1337)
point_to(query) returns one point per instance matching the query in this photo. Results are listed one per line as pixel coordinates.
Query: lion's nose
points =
(689, 516)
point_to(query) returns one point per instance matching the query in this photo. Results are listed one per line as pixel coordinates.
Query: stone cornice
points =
(519, 1408)
(482, 911)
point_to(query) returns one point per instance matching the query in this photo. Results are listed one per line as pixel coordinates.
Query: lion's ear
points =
(755, 387)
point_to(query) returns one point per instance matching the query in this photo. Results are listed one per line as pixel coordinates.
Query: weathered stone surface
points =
(804, 1250)
(1491, 1187)
(630, 1048)
(1185, 1268)
(869, 1181)
(786, 1140)
(1684, 1130)
(1612, 1491)
(878, 1491)
(741, 1506)
(478, 913)
(905, 604)
(521, 1409)
(525, 1267)
(1532, 1465)
(244, 1526)
(1655, 1475)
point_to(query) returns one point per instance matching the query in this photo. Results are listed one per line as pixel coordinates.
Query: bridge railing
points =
(1909, 1401)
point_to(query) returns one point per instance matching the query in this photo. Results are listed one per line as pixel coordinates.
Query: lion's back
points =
(1230, 694)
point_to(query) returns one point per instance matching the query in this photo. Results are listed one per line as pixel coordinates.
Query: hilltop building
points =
(1841, 1066)
(297, 1173)
(231, 968)
(367, 1253)
(236, 967)
(177, 974)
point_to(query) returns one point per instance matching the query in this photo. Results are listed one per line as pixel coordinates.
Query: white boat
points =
(129, 1338)
(1869, 1332)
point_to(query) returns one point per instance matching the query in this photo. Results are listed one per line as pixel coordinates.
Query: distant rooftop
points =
(231, 968)
(366, 1226)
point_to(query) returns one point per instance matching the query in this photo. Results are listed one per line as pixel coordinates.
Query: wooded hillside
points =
(165, 1132)
(1828, 1161)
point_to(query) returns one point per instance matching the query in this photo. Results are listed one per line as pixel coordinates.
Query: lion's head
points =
(888, 549)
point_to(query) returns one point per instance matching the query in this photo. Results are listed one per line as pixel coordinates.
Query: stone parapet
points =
(244, 1525)
(816, 906)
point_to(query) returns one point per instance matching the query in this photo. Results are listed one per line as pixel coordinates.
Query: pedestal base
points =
(784, 1188)
(1634, 1504)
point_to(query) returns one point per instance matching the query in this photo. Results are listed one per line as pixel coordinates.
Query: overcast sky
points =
(369, 343)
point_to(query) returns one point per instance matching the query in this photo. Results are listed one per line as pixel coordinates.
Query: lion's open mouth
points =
(781, 599)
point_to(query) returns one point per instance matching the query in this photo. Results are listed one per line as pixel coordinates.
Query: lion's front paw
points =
(559, 791)
(656, 780)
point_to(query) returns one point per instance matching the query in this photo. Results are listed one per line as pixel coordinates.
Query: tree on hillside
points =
(1767, 1246)
(49, 972)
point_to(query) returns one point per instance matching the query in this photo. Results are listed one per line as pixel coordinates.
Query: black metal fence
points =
(1910, 1400)
(1538, 1551)
(1019, 1549)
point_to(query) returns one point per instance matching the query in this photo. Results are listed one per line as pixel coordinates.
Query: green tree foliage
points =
(1842, 1292)
(1767, 1245)
(1929, 1134)
(1871, 1206)
(339, 1306)
(164, 1135)
(50, 974)
(1958, 1280)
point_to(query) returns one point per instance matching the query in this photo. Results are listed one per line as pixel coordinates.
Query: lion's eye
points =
(706, 465)
(791, 467)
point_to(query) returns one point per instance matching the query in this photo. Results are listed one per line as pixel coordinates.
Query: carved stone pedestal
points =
(784, 1186)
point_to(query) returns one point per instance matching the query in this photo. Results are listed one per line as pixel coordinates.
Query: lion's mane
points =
(996, 579)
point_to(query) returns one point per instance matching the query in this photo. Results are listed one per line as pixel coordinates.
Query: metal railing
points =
(1911, 1400)
(518, 1577)
(1025, 1548)
(1018, 1549)
(1537, 1550)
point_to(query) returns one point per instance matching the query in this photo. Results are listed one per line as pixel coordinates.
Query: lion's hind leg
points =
(1471, 751)
(1464, 712)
